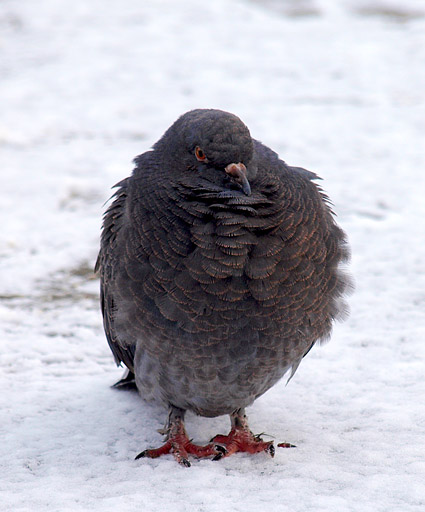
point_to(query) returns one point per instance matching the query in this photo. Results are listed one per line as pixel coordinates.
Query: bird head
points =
(214, 144)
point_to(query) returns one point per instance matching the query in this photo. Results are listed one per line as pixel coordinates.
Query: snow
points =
(336, 87)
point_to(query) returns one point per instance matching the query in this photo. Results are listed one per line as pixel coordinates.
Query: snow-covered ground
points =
(334, 86)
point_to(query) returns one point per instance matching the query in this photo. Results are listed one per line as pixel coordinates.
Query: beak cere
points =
(238, 173)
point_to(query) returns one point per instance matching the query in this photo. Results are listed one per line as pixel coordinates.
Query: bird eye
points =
(200, 155)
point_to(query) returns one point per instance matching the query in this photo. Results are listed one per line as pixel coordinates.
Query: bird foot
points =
(242, 440)
(181, 446)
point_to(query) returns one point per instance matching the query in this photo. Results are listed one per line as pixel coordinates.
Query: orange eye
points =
(200, 155)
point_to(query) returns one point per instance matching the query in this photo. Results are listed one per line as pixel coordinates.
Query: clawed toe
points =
(286, 445)
(141, 455)
(181, 448)
(271, 450)
(222, 452)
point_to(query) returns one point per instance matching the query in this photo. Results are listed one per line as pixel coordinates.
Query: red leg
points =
(241, 439)
(179, 444)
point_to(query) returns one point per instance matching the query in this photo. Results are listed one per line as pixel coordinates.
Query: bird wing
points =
(123, 352)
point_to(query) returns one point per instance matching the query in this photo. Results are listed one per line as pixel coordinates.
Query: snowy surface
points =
(337, 87)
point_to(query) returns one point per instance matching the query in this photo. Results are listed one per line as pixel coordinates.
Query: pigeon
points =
(220, 268)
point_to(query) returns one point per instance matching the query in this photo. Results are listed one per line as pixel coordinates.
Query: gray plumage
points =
(219, 267)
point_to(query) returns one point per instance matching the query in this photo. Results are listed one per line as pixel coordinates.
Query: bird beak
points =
(238, 173)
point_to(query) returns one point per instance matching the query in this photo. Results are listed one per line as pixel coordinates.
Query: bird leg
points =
(241, 439)
(179, 444)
